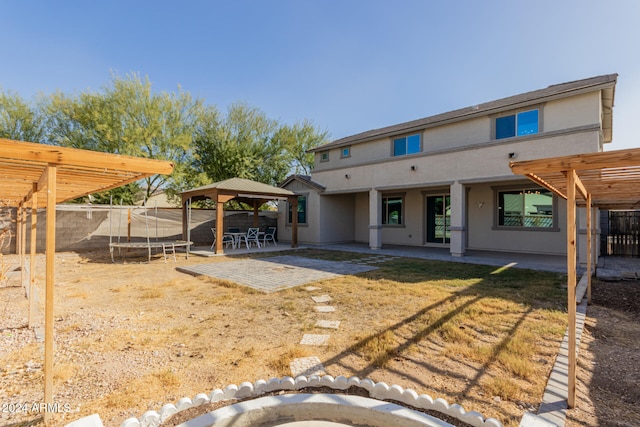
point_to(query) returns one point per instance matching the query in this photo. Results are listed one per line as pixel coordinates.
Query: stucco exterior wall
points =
(337, 218)
(482, 211)
(488, 161)
(309, 232)
(577, 111)
(457, 135)
(562, 115)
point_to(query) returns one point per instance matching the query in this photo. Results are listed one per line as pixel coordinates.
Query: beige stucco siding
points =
(309, 232)
(480, 162)
(567, 113)
(457, 135)
(337, 218)
(482, 210)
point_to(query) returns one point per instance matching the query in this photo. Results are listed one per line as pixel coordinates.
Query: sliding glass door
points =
(438, 218)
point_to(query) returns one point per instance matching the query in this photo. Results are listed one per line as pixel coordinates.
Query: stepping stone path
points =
(306, 366)
(311, 365)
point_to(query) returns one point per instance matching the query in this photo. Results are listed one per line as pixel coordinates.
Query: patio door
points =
(438, 218)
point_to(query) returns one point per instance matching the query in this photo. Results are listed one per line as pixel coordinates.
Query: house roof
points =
(240, 187)
(606, 82)
(612, 178)
(78, 172)
(304, 179)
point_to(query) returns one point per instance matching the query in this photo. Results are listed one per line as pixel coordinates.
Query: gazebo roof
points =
(240, 188)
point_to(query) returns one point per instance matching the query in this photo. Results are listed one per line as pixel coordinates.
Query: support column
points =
(294, 221)
(458, 226)
(51, 174)
(571, 285)
(219, 223)
(32, 258)
(589, 247)
(375, 219)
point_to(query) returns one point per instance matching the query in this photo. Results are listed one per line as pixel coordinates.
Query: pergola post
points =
(50, 281)
(32, 258)
(20, 241)
(590, 256)
(571, 284)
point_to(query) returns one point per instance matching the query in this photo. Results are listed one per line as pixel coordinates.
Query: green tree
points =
(247, 144)
(128, 118)
(298, 140)
(18, 120)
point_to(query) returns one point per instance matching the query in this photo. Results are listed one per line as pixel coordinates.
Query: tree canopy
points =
(127, 117)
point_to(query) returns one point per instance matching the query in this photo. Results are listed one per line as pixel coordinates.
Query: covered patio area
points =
(250, 192)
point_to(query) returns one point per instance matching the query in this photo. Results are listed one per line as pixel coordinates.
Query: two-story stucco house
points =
(445, 180)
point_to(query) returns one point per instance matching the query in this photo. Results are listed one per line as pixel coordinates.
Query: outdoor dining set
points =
(234, 237)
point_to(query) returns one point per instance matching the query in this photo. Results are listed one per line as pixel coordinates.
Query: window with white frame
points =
(345, 152)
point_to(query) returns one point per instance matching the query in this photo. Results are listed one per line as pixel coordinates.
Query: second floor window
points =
(406, 145)
(524, 123)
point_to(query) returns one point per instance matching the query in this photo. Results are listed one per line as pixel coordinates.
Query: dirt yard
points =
(608, 387)
(133, 336)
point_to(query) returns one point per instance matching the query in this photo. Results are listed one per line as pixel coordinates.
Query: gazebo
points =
(253, 193)
(36, 176)
(605, 180)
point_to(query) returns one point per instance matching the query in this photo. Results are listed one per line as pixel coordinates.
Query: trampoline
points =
(168, 246)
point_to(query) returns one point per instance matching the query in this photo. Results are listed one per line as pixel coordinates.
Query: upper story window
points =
(519, 124)
(406, 145)
(345, 152)
(324, 156)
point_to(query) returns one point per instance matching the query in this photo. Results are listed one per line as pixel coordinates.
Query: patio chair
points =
(270, 234)
(226, 240)
(251, 236)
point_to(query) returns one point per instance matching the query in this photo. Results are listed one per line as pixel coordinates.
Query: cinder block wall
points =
(79, 228)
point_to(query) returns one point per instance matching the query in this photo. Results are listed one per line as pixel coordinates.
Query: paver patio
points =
(275, 273)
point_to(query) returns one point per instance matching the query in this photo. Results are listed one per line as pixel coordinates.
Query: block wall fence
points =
(81, 228)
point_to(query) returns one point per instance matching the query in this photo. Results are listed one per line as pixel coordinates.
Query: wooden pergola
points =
(250, 192)
(36, 176)
(607, 180)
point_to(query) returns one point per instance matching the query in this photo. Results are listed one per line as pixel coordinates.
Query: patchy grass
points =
(466, 333)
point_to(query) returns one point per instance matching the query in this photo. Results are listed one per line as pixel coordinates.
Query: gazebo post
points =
(256, 218)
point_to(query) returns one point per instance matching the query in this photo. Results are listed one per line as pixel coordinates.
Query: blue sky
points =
(347, 65)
